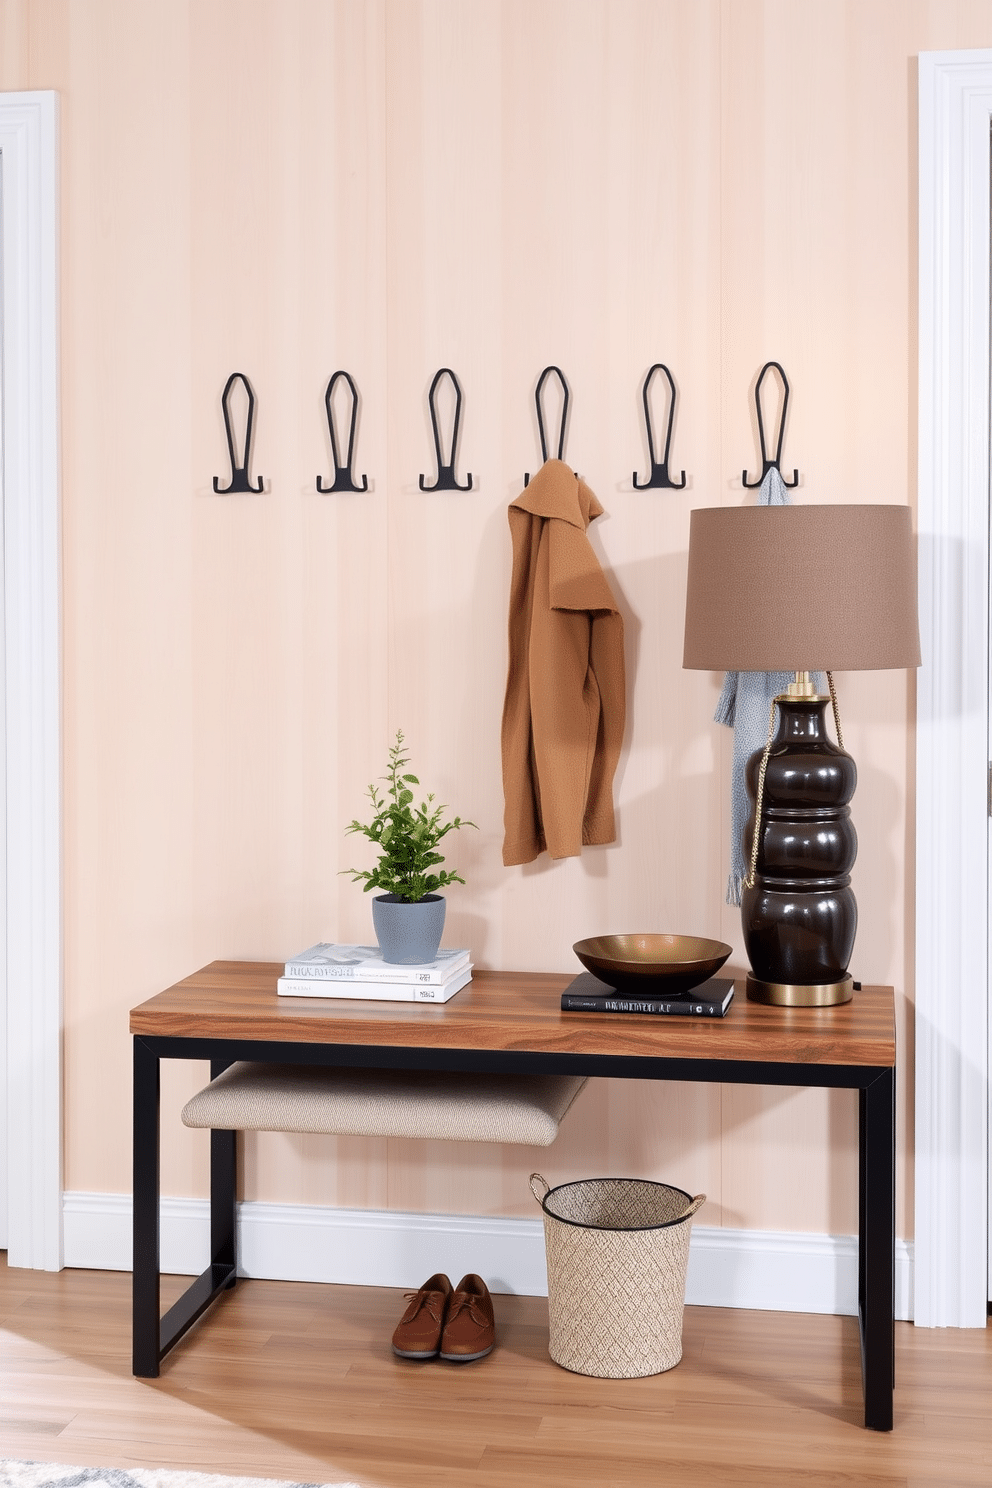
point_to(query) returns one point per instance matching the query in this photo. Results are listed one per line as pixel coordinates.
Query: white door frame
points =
(32, 966)
(952, 786)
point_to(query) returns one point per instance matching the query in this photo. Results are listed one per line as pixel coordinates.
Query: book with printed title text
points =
(363, 963)
(374, 991)
(587, 994)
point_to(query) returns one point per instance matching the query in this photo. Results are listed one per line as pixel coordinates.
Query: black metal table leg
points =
(223, 1192)
(876, 1247)
(862, 1167)
(145, 1217)
(152, 1337)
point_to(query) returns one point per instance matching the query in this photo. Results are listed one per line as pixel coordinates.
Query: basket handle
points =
(697, 1203)
(540, 1178)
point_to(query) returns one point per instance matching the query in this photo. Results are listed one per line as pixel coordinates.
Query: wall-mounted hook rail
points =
(540, 414)
(659, 478)
(240, 481)
(766, 463)
(344, 479)
(446, 478)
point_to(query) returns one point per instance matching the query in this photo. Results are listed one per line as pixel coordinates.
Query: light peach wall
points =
(284, 187)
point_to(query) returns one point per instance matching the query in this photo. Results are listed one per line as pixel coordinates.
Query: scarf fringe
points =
(726, 708)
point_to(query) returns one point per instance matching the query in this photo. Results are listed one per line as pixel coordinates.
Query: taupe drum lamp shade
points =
(801, 588)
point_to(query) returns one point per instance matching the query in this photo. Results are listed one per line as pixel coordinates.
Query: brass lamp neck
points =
(802, 687)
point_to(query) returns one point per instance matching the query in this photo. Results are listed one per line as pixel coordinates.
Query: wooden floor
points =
(297, 1381)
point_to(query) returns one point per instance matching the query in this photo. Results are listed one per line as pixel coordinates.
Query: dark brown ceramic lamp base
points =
(799, 915)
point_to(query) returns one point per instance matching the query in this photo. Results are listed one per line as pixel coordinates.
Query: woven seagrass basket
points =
(617, 1251)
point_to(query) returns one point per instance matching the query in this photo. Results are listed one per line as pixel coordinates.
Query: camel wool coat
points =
(564, 711)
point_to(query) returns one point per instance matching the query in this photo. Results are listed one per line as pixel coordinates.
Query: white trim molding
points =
(32, 691)
(366, 1247)
(952, 841)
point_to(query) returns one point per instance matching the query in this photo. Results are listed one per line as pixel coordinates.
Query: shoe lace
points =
(470, 1303)
(432, 1301)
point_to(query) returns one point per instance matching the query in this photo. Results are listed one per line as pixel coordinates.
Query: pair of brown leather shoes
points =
(456, 1323)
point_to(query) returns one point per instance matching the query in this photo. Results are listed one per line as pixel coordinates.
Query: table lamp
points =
(803, 589)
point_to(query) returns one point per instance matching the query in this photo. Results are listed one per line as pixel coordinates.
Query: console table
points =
(508, 1022)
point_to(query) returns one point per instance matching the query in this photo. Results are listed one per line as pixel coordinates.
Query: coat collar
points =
(556, 491)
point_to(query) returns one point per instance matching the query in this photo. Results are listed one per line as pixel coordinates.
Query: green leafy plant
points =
(406, 835)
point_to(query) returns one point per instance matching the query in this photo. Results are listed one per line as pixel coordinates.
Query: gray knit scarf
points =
(745, 706)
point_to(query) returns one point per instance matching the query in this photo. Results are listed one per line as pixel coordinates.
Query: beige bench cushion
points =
(386, 1103)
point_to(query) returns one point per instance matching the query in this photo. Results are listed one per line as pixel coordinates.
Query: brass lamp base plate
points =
(791, 994)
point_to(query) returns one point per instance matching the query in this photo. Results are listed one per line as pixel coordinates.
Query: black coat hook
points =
(240, 481)
(446, 479)
(766, 463)
(540, 413)
(659, 477)
(344, 480)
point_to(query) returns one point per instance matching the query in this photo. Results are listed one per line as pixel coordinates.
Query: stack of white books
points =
(358, 971)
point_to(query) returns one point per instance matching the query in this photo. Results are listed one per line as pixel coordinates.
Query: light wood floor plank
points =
(298, 1382)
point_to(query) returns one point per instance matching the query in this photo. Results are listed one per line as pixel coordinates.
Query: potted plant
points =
(409, 915)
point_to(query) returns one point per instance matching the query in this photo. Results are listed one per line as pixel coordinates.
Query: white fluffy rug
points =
(56, 1475)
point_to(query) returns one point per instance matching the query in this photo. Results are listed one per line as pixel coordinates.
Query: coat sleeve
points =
(523, 838)
(576, 693)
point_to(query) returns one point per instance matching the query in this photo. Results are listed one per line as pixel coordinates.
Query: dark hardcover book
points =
(587, 994)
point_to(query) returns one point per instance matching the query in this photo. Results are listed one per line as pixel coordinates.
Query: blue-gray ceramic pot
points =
(408, 934)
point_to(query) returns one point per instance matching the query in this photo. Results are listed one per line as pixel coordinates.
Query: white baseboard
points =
(757, 1269)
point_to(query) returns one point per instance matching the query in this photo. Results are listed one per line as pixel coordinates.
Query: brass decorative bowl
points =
(651, 965)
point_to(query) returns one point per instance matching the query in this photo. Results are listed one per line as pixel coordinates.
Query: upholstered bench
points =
(450, 1107)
